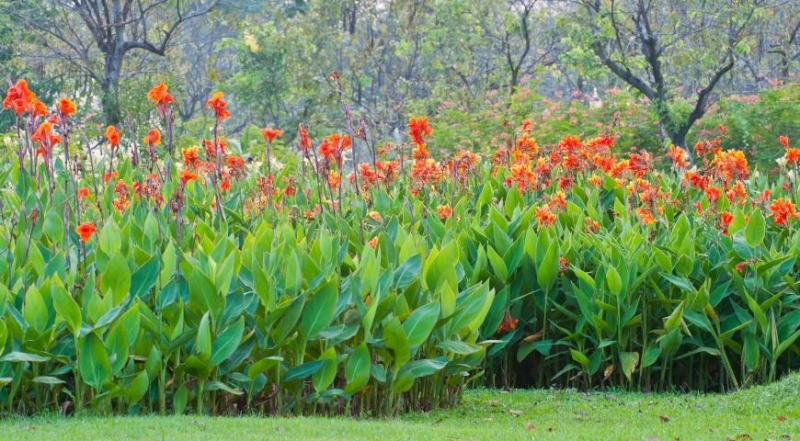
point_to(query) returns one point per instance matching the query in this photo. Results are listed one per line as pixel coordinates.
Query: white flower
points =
(782, 161)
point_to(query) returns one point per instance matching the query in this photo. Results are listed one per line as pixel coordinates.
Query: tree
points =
(76, 30)
(661, 47)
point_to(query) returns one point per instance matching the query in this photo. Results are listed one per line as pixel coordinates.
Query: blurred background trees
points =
(654, 71)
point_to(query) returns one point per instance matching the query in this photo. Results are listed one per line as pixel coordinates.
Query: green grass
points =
(767, 412)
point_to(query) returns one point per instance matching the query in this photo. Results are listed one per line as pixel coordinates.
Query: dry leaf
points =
(530, 426)
(781, 418)
(516, 412)
(664, 418)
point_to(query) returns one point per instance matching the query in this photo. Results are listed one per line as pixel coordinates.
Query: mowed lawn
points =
(768, 412)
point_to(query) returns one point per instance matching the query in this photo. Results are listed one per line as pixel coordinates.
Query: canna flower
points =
(19, 98)
(187, 176)
(591, 224)
(782, 211)
(373, 242)
(725, 219)
(159, 95)
(270, 134)
(508, 324)
(66, 107)
(558, 201)
(334, 178)
(153, 137)
(731, 164)
(712, 194)
(190, 157)
(112, 135)
(418, 129)
(785, 141)
(303, 141)
(444, 211)
(645, 216)
(85, 231)
(218, 106)
(792, 155)
(544, 216)
(374, 215)
(83, 193)
(678, 157)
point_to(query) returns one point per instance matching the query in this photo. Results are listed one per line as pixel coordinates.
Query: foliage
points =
(136, 277)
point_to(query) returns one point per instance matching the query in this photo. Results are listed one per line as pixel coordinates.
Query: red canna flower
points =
(190, 157)
(374, 215)
(19, 98)
(83, 193)
(444, 211)
(509, 323)
(85, 231)
(712, 193)
(722, 129)
(785, 141)
(373, 242)
(218, 106)
(725, 219)
(303, 141)
(112, 135)
(66, 107)
(418, 129)
(270, 134)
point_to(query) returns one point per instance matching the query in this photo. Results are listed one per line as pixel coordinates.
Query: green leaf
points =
(180, 399)
(357, 369)
(423, 368)
(66, 308)
(397, 340)
(48, 380)
(407, 272)
(94, 362)
(23, 357)
(755, 230)
(547, 272)
(202, 343)
(227, 342)
(117, 278)
(323, 378)
(263, 365)
(628, 360)
(303, 371)
(419, 325)
(613, 280)
(319, 311)
(579, 357)
(109, 241)
(138, 388)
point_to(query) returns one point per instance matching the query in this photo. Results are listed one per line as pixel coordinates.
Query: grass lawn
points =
(769, 412)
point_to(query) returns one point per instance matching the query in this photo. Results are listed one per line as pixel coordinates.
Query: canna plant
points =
(191, 281)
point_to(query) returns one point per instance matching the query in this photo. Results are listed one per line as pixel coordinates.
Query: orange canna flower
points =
(712, 193)
(334, 178)
(112, 135)
(66, 107)
(418, 129)
(792, 155)
(83, 193)
(374, 215)
(782, 211)
(544, 216)
(190, 156)
(678, 157)
(303, 141)
(187, 176)
(85, 231)
(373, 242)
(444, 211)
(270, 134)
(159, 95)
(219, 106)
(646, 216)
(153, 137)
